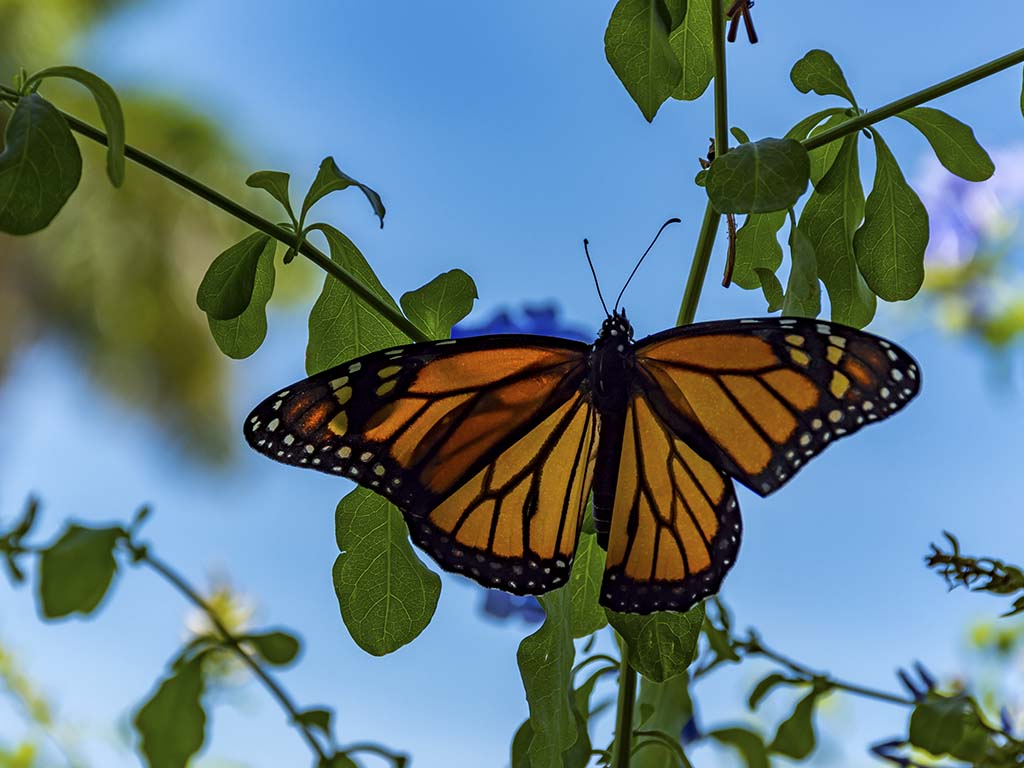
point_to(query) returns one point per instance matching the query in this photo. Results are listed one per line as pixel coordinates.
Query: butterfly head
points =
(616, 328)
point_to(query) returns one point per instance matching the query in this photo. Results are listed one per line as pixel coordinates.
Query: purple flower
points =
(540, 319)
(965, 216)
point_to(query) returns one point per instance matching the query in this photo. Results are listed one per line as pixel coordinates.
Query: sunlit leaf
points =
(278, 648)
(341, 325)
(801, 129)
(110, 113)
(693, 44)
(749, 744)
(330, 179)
(803, 290)
(890, 244)
(757, 246)
(545, 664)
(952, 141)
(637, 46)
(662, 644)
(759, 177)
(76, 571)
(275, 183)
(586, 614)
(241, 336)
(822, 157)
(172, 724)
(39, 168)
(227, 286)
(817, 71)
(829, 218)
(435, 307)
(386, 594)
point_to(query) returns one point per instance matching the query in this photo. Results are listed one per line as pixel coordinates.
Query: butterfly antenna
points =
(593, 271)
(670, 221)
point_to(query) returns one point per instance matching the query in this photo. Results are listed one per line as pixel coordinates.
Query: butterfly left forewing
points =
(675, 525)
(761, 397)
(483, 443)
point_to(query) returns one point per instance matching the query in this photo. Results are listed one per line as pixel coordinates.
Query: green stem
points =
(623, 748)
(242, 213)
(712, 218)
(914, 99)
(141, 554)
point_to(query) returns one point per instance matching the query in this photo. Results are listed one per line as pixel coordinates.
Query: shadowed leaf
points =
(803, 291)
(275, 183)
(39, 168)
(795, 736)
(749, 744)
(441, 303)
(172, 724)
(759, 177)
(76, 571)
(757, 246)
(330, 179)
(817, 71)
(586, 615)
(227, 286)
(241, 336)
(277, 648)
(771, 288)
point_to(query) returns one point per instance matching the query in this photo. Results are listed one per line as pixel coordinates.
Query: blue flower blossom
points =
(503, 606)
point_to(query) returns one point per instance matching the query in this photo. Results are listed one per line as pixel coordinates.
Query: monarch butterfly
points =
(491, 445)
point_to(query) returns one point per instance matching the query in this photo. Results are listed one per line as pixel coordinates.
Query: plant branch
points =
(712, 218)
(242, 213)
(913, 100)
(754, 647)
(622, 750)
(141, 554)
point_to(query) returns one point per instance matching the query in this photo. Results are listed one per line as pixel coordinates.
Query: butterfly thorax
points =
(611, 363)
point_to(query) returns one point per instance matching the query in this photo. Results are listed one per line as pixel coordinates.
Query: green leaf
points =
(330, 179)
(338, 760)
(521, 745)
(937, 723)
(435, 307)
(341, 325)
(172, 724)
(676, 12)
(890, 244)
(227, 286)
(275, 183)
(817, 71)
(803, 291)
(664, 708)
(110, 113)
(701, 179)
(749, 744)
(831, 215)
(801, 129)
(771, 287)
(795, 736)
(39, 168)
(693, 45)
(636, 44)
(386, 594)
(757, 245)
(76, 571)
(241, 336)
(822, 157)
(765, 685)
(952, 141)
(740, 135)
(320, 719)
(545, 665)
(759, 177)
(586, 614)
(277, 648)
(662, 644)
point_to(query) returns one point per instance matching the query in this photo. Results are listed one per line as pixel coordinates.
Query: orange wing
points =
(486, 445)
(758, 398)
(675, 528)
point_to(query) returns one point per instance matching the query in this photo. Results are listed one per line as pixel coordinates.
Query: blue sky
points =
(499, 138)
